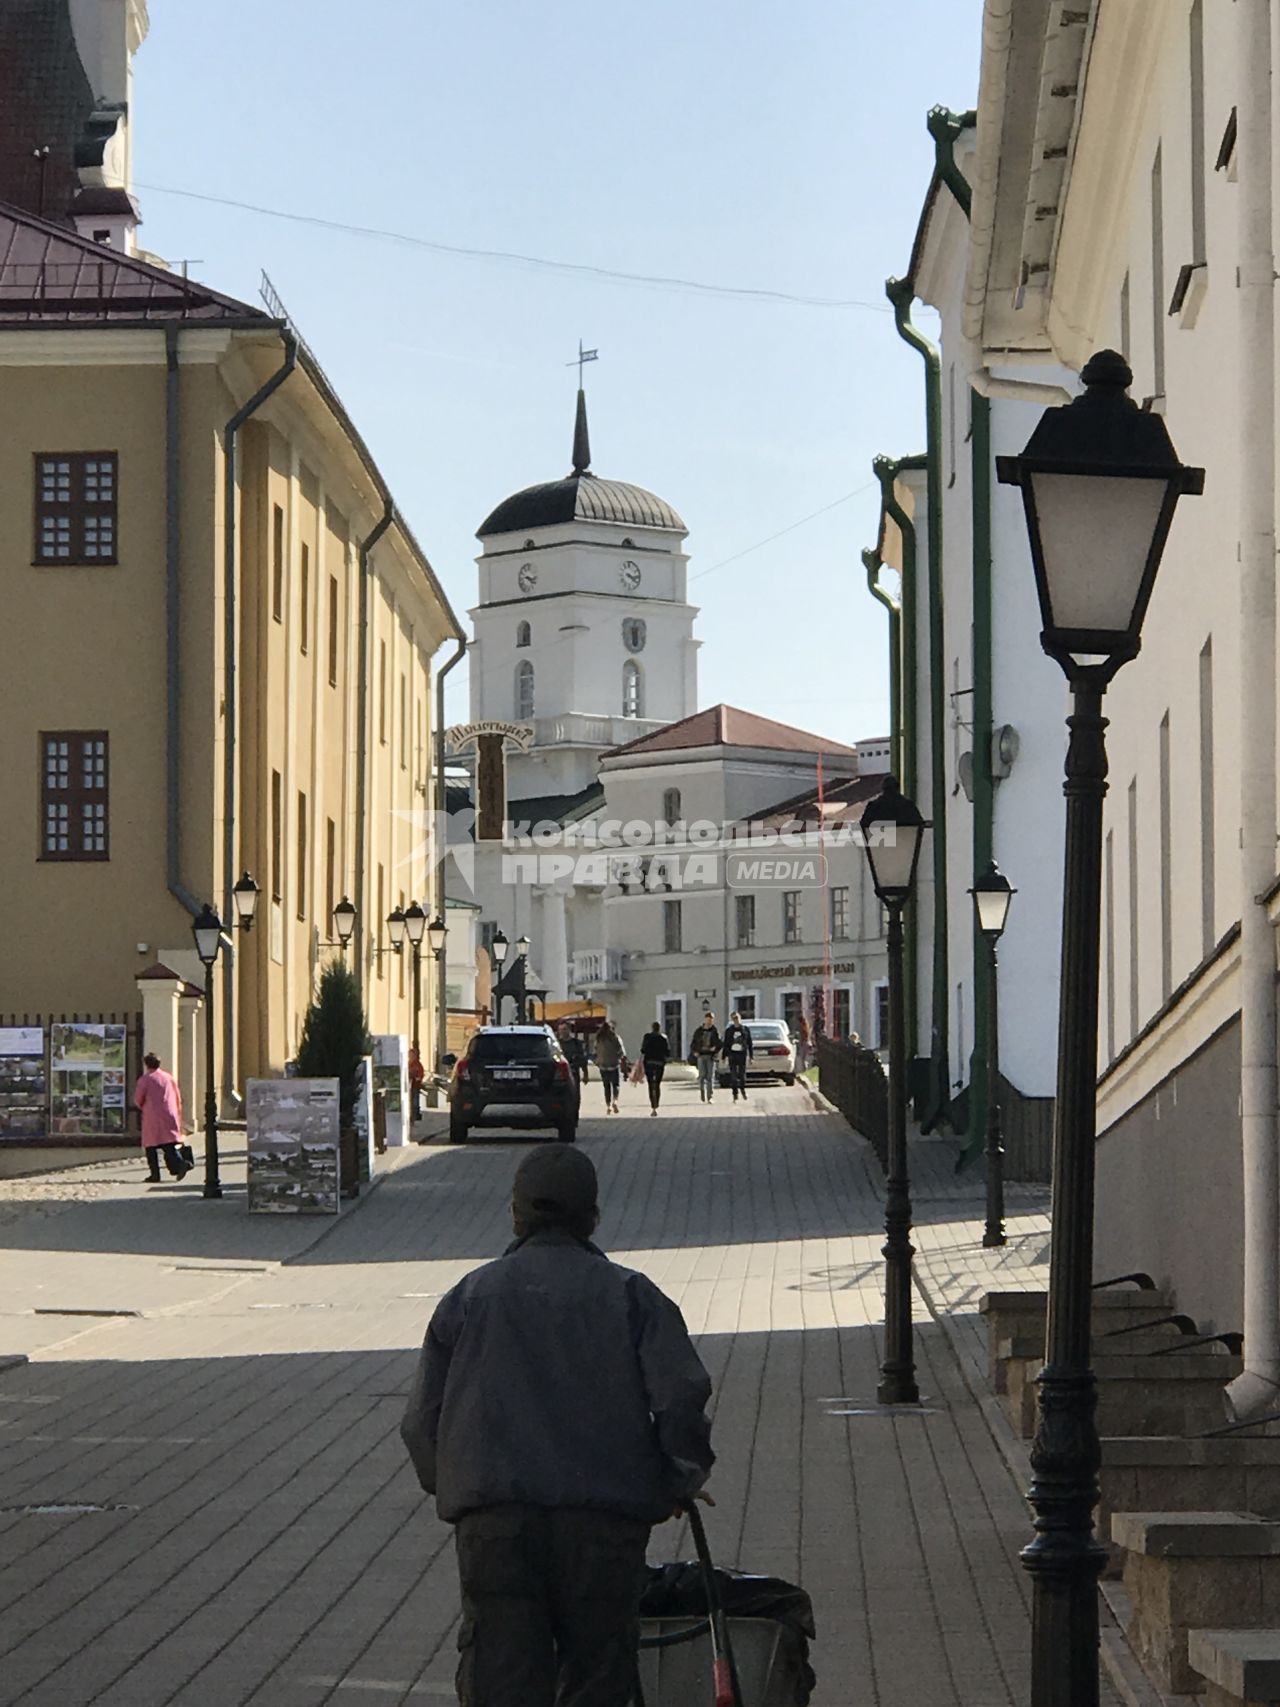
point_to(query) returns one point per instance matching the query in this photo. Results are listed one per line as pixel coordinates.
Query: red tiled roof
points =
(49, 275)
(843, 802)
(726, 726)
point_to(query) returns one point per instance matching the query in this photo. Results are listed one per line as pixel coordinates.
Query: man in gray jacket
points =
(558, 1412)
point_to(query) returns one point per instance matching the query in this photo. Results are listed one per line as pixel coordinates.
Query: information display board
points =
(391, 1077)
(87, 1080)
(294, 1150)
(24, 1083)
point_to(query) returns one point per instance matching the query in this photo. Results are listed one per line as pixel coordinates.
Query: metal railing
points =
(853, 1079)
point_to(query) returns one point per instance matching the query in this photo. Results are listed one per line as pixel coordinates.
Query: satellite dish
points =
(964, 772)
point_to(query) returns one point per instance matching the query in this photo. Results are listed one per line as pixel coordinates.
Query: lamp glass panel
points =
(344, 920)
(207, 939)
(245, 896)
(395, 929)
(415, 923)
(522, 945)
(993, 909)
(1095, 539)
(891, 849)
(436, 932)
(499, 949)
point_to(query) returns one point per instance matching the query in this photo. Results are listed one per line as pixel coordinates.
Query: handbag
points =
(188, 1154)
(637, 1073)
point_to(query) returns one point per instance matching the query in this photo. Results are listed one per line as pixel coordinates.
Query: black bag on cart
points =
(679, 1591)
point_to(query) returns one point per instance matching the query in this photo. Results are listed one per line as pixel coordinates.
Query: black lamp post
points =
(437, 934)
(415, 925)
(892, 831)
(498, 948)
(1100, 481)
(991, 898)
(210, 938)
(521, 970)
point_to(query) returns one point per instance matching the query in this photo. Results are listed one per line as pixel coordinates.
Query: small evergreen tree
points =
(334, 1035)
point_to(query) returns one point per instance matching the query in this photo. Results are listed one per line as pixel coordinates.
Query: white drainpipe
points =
(1257, 1390)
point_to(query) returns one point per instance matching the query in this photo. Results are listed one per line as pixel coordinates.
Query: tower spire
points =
(581, 443)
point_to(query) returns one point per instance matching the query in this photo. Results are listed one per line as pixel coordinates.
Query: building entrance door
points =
(671, 1013)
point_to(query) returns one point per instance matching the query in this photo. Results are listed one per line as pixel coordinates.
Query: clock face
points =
(528, 577)
(629, 575)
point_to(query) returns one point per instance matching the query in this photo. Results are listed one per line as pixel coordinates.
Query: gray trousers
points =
(549, 1607)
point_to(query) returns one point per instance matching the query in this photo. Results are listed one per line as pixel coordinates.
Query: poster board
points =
(87, 1093)
(24, 1082)
(294, 1150)
(391, 1076)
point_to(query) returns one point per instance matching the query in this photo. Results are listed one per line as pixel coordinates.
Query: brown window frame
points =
(382, 693)
(792, 920)
(277, 837)
(330, 873)
(304, 593)
(76, 795)
(303, 849)
(404, 722)
(81, 515)
(277, 562)
(333, 631)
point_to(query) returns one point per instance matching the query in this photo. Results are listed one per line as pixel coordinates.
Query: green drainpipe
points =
(871, 561)
(944, 128)
(886, 471)
(935, 1102)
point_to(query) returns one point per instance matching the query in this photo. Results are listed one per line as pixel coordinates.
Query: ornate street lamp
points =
(395, 929)
(344, 920)
(244, 896)
(991, 898)
(415, 925)
(1100, 480)
(521, 971)
(437, 933)
(498, 948)
(207, 930)
(892, 831)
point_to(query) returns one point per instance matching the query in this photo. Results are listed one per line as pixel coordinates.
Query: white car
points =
(773, 1053)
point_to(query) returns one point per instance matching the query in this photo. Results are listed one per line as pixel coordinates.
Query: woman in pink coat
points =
(160, 1100)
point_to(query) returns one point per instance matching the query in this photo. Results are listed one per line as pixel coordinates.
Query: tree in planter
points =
(335, 1039)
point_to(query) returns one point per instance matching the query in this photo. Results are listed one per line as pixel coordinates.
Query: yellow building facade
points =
(217, 650)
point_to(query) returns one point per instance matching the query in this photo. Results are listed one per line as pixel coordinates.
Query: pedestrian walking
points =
(655, 1052)
(557, 1414)
(704, 1052)
(610, 1054)
(574, 1052)
(803, 1043)
(737, 1052)
(158, 1097)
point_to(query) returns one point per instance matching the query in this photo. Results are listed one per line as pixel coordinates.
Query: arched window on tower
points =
(524, 634)
(524, 691)
(632, 690)
(671, 806)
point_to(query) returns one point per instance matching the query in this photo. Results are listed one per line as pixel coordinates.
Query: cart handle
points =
(724, 1672)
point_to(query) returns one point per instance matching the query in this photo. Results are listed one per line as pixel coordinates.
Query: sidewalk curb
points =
(14, 1360)
(367, 1189)
(1123, 1668)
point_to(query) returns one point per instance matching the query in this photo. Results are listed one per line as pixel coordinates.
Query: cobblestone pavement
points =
(205, 1502)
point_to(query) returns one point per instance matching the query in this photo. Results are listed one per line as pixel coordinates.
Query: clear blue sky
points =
(774, 146)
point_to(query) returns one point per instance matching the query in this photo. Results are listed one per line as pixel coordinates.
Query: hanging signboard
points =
(87, 1095)
(24, 1083)
(294, 1153)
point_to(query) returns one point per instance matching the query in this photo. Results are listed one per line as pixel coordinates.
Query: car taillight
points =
(462, 1071)
(562, 1069)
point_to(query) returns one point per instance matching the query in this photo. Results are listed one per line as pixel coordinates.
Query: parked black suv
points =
(513, 1075)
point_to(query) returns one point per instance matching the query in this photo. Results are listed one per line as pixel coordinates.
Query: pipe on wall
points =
(886, 471)
(1257, 1389)
(362, 735)
(901, 294)
(230, 437)
(173, 622)
(872, 562)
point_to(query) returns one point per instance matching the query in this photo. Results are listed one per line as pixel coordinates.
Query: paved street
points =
(238, 1523)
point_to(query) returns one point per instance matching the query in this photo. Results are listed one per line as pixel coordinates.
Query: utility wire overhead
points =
(655, 281)
(790, 528)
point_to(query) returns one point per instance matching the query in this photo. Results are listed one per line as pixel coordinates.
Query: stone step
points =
(1019, 1314)
(1240, 1667)
(1170, 1473)
(1179, 1394)
(1187, 1571)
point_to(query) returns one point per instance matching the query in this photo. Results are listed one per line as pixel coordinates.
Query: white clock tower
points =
(583, 626)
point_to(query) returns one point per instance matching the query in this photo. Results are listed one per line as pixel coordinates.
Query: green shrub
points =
(334, 1035)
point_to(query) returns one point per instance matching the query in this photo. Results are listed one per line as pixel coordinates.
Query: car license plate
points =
(512, 1073)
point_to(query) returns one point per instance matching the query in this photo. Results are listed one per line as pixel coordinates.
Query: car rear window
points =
(766, 1028)
(512, 1046)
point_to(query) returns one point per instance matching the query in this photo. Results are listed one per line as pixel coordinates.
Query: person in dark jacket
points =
(737, 1052)
(558, 1412)
(704, 1052)
(655, 1052)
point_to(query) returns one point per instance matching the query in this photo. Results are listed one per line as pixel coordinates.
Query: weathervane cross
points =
(581, 360)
